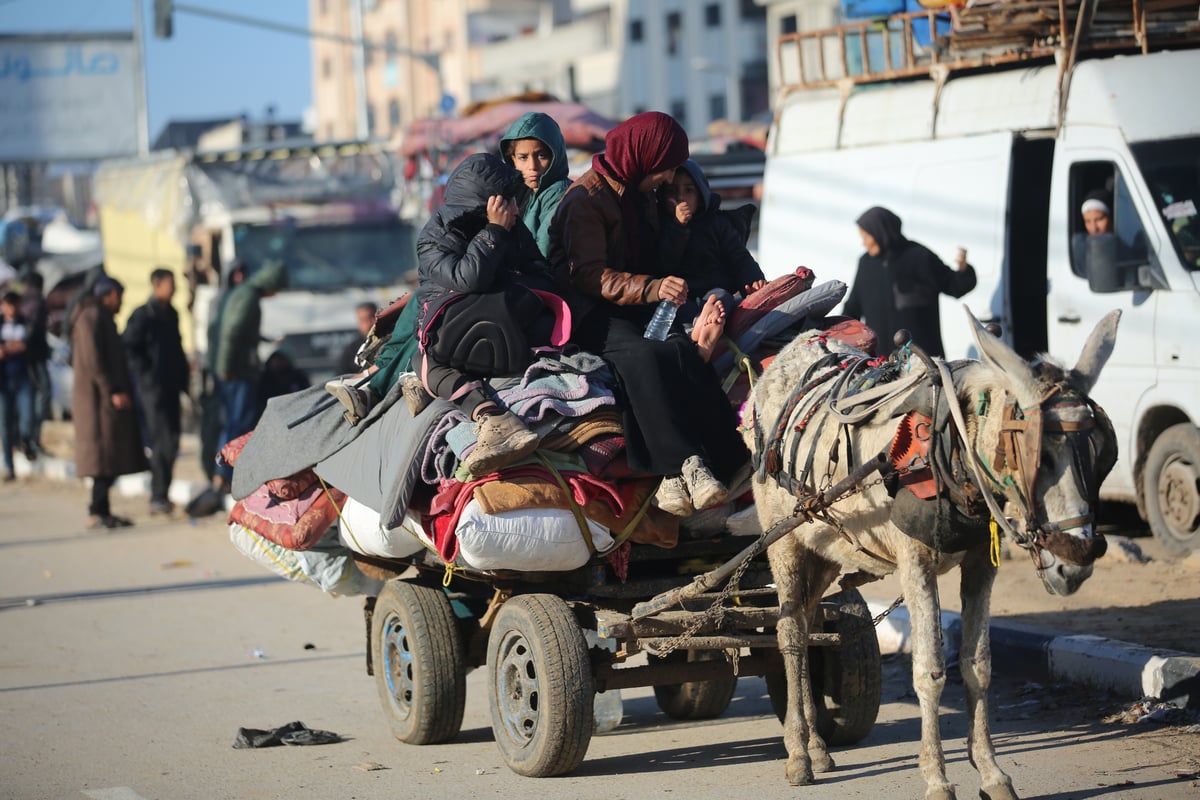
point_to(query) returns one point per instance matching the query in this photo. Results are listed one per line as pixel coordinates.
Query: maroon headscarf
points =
(641, 145)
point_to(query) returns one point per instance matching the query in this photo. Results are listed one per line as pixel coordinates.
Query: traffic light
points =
(162, 19)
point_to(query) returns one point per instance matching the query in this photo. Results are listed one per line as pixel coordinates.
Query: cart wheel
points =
(695, 699)
(847, 680)
(418, 661)
(540, 686)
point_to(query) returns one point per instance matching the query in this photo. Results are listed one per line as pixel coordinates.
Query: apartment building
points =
(699, 60)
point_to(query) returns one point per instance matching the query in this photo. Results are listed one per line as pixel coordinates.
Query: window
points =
(674, 32)
(1108, 240)
(716, 106)
(326, 68)
(324, 7)
(389, 41)
(752, 10)
(394, 113)
(788, 24)
(712, 15)
(679, 111)
(635, 30)
(1172, 171)
(370, 119)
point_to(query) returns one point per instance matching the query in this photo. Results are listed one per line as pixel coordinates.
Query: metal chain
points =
(883, 614)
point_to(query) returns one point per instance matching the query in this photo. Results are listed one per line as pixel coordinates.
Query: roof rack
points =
(980, 34)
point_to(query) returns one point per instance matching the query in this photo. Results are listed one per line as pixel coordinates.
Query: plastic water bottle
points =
(607, 711)
(660, 323)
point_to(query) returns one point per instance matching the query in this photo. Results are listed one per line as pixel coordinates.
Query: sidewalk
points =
(1129, 670)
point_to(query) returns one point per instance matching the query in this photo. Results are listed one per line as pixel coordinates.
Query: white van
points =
(989, 159)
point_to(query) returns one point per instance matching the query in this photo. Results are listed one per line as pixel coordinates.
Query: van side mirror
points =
(1104, 273)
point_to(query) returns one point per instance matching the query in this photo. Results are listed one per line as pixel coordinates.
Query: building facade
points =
(698, 61)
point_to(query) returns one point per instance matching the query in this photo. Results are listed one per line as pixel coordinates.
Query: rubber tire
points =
(695, 699)
(1170, 489)
(540, 686)
(847, 680)
(419, 669)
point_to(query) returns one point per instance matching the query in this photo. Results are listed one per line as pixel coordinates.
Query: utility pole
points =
(143, 117)
(361, 129)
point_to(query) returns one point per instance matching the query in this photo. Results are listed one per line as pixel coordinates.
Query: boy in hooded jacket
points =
(477, 317)
(704, 244)
(534, 146)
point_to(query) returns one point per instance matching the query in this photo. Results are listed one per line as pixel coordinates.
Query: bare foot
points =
(709, 325)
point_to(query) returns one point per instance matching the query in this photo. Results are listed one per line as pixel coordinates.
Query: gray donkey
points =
(973, 448)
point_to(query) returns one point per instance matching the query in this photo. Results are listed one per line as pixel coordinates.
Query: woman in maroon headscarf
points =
(603, 245)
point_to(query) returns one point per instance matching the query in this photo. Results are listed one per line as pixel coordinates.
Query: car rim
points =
(1179, 498)
(517, 688)
(398, 666)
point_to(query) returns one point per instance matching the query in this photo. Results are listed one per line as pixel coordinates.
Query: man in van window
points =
(898, 283)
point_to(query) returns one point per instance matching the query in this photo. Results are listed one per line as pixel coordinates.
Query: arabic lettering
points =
(105, 62)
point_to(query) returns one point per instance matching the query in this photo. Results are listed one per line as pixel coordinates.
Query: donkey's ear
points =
(1096, 351)
(996, 354)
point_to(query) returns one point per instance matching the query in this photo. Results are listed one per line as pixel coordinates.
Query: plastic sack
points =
(328, 566)
(529, 540)
(360, 530)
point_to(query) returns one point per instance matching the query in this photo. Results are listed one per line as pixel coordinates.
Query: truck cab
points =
(997, 154)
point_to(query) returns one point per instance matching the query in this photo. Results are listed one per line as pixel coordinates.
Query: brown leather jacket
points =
(587, 246)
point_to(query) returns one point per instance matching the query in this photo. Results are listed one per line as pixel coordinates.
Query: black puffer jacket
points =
(710, 251)
(460, 252)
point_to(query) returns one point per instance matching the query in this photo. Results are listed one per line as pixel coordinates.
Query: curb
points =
(181, 493)
(1130, 670)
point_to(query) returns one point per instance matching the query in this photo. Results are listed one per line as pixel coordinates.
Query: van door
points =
(1081, 291)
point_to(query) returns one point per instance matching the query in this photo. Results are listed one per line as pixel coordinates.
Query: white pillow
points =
(360, 530)
(530, 540)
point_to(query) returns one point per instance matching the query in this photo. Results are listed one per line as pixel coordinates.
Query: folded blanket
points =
(573, 434)
(296, 524)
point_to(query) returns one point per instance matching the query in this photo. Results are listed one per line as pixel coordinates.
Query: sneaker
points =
(113, 521)
(29, 451)
(356, 400)
(501, 439)
(706, 491)
(161, 507)
(415, 396)
(672, 497)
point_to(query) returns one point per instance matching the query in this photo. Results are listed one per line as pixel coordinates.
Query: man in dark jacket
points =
(161, 370)
(233, 352)
(898, 283)
(107, 441)
(37, 315)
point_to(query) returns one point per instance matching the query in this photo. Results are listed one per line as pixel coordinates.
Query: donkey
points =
(967, 441)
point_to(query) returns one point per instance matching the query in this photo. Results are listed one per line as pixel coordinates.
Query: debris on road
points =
(294, 733)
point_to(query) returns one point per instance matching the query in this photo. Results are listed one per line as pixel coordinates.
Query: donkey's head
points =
(1048, 447)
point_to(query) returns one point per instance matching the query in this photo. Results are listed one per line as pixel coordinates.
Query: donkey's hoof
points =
(1001, 791)
(799, 774)
(940, 793)
(823, 762)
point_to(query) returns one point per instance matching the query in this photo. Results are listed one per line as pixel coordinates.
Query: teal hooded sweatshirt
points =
(553, 183)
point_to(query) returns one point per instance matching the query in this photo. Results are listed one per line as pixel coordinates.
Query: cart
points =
(551, 641)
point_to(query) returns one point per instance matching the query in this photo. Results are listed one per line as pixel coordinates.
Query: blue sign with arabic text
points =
(68, 98)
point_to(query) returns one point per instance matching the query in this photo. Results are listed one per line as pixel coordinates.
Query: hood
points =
(477, 178)
(270, 277)
(884, 227)
(708, 200)
(536, 125)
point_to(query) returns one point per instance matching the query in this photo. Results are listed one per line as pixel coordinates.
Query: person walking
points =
(160, 369)
(16, 389)
(37, 350)
(233, 350)
(898, 283)
(107, 440)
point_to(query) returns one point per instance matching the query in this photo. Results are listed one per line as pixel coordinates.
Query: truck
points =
(327, 210)
(990, 136)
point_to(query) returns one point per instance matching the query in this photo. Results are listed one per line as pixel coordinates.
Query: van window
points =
(1172, 171)
(1104, 220)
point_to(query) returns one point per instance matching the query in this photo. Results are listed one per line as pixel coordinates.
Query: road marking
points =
(115, 793)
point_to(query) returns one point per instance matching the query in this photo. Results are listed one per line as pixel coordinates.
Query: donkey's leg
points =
(976, 591)
(792, 634)
(816, 575)
(918, 580)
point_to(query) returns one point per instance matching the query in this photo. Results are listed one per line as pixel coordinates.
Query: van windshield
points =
(1172, 171)
(330, 257)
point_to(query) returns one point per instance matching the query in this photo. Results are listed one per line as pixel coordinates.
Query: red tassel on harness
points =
(909, 454)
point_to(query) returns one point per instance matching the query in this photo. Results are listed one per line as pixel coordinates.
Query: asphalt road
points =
(136, 661)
